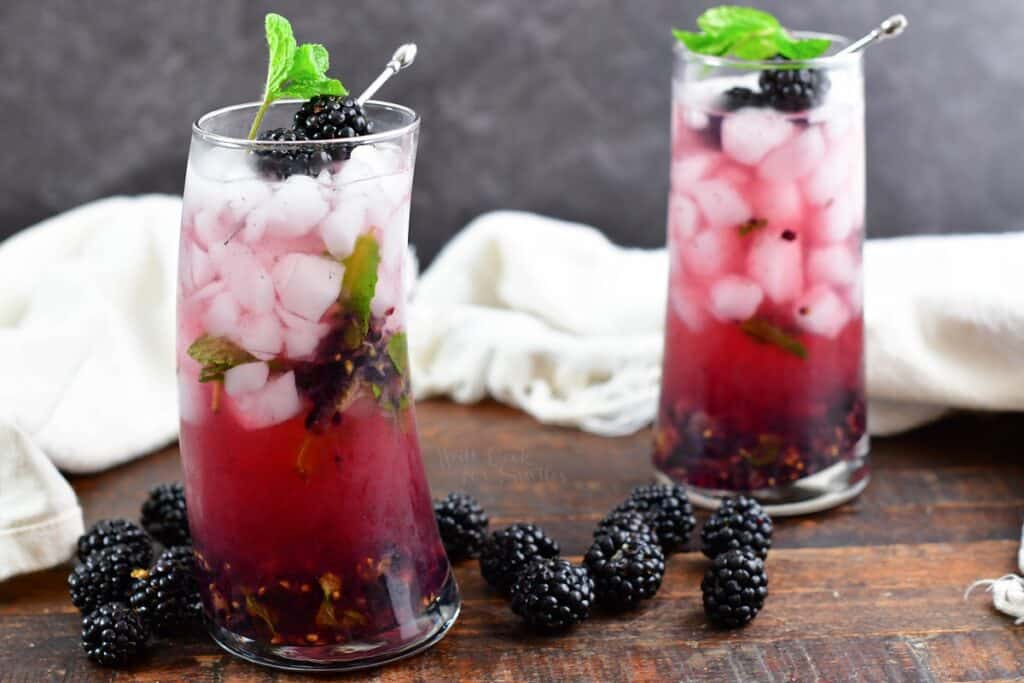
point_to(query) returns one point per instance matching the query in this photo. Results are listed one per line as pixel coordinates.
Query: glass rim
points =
(222, 140)
(766, 64)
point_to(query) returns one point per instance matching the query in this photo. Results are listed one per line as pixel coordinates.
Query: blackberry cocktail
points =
(763, 383)
(310, 511)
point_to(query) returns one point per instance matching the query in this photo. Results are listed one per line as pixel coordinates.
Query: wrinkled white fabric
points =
(86, 361)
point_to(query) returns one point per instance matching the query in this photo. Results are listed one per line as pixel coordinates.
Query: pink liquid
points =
(763, 378)
(309, 506)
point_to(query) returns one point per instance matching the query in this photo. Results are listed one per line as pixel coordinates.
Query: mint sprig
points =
(217, 355)
(747, 33)
(293, 70)
(764, 332)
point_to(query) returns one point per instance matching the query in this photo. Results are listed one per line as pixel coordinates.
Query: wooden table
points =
(871, 591)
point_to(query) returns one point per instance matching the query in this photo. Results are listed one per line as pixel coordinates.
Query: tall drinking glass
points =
(763, 373)
(314, 534)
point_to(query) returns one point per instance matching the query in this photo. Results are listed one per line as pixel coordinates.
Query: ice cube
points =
(820, 311)
(855, 294)
(825, 183)
(388, 297)
(246, 378)
(682, 218)
(307, 285)
(343, 225)
(734, 297)
(777, 265)
(301, 336)
(203, 271)
(833, 264)
(686, 304)
(256, 224)
(352, 171)
(296, 207)
(710, 252)
(394, 237)
(837, 219)
(691, 168)
(191, 404)
(799, 156)
(260, 335)
(721, 205)
(245, 277)
(795, 159)
(221, 318)
(749, 134)
(209, 229)
(276, 402)
(384, 158)
(243, 196)
(778, 203)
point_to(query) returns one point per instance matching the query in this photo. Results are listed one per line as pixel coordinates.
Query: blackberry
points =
(105, 576)
(626, 569)
(553, 595)
(113, 635)
(108, 532)
(328, 117)
(179, 553)
(627, 522)
(795, 89)
(668, 512)
(164, 515)
(738, 523)
(289, 160)
(462, 523)
(166, 597)
(737, 98)
(507, 552)
(734, 588)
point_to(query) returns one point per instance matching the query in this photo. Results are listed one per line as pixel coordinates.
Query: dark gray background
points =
(559, 106)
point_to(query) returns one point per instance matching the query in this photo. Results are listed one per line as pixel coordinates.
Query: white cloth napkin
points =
(542, 314)
(86, 361)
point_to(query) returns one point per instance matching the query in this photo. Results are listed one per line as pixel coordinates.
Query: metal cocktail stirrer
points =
(403, 57)
(890, 28)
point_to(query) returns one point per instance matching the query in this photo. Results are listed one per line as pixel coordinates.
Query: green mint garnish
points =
(217, 355)
(398, 352)
(358, 285)
(747, 33)
(765, 332)
(293, 71)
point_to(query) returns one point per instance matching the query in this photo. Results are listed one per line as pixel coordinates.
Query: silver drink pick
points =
(890, 28)
(403, 57)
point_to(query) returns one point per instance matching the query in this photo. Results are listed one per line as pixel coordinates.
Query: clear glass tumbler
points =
(763, 373)
(314, 533)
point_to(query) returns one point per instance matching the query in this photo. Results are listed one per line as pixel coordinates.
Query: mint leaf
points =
(808, 48)
(358, 285)
(752, 225)
(293, 71)
(749, 34)
(765, 332)
(281, 45)
(755, 47)
(732, 18)
(398, 351)
(702, 43)
(217, 355)
(307, 76)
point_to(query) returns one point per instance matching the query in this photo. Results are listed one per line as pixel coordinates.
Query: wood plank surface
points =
(872, 591)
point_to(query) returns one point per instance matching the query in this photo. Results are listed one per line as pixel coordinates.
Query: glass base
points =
(829, 488)
(432, 626)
